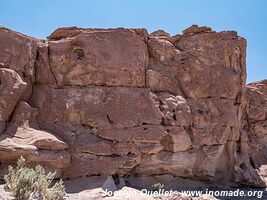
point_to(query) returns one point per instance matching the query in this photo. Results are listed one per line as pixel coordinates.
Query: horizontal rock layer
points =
(121, 101)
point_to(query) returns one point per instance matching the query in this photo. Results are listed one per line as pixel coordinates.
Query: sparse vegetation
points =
(22, 180)
(157, 187)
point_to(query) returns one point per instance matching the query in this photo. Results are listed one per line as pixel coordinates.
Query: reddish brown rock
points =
(44, 73)
(212, 162)
(19, 52)
(11, 88)
(122, 101)
(161, 34)
(111, 57)
(90, 164)
(212, 64)
(142, 32)
(158, 82)
(199, 65)
(256, 105)
(176, 139)
(175, 110)
(24, 138)
(23, 129)
(180, 164)
(216, 118)
(196, 29)
(163, 63)
(100, 107)
(254, 121)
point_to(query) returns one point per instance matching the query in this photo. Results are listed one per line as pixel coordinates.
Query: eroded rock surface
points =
(255, 129)
(121, 101)
(110, 57)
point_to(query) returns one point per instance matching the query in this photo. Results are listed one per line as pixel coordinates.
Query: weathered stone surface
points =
(23, 138)
(254, 121)
(145, 134)
(164, 61)
(176, 139)
(211, 160)
(196, 29)
(256, 95)
(212, 64)
(11, 88)
(200, 65)
(142, 32)
(111, 57)
(23, 129)
(18, 52)
(180, 164)
(216, 118)
(99, 107)
(44, 73)
(122, 102)
(160, 34)
(90, 164)
(175, 109)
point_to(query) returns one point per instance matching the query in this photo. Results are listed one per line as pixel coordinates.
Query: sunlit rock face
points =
(122, 101)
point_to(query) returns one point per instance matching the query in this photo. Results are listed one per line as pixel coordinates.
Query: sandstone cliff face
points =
(254, 123)
(122, 101)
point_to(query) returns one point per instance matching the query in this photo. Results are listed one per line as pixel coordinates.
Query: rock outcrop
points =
(121, 101)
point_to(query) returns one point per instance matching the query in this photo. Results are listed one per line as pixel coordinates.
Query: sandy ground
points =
(91, 189)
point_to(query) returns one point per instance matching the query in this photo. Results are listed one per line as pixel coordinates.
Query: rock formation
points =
(121, 101)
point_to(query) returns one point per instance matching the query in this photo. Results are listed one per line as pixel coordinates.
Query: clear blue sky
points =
(248, 17)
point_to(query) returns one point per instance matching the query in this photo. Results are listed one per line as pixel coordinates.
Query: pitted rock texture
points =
(122, 101)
